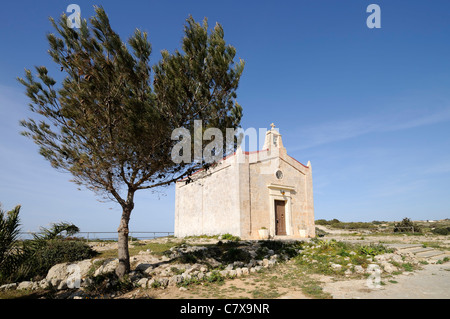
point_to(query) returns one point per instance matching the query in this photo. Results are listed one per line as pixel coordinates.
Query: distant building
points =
(247, 192)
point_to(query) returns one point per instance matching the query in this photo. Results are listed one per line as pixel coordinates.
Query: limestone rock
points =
(8, 286)
(108, 266)
(174, 280)
(336, 267)
(25, 285)
(67, 275)
(359, 269)
(142, 282)
(388, 267)
(144, 267)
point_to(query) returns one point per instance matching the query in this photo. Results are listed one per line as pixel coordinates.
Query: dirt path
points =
(431, 282)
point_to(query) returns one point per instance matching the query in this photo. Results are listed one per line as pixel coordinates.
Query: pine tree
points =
(109, 122)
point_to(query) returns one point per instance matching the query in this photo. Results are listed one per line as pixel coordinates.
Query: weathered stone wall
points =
(209, 205)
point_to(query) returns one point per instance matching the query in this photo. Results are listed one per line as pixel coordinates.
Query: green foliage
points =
(177, 271)
(56, 231)
(11, 255)
(31, 259)
(406, 226)
(320, 232)
(230, 237)
(335, 223)
(110, 121)
(325, 222)
(441, 231)
(215, 277)
(319, 254)
(374, 250)
(108, 283)
(408, 266)
(43, 254)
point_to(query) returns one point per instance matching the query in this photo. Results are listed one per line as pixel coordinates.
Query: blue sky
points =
(370, 108)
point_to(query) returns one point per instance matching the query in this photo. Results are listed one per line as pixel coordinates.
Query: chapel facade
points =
(253, 195)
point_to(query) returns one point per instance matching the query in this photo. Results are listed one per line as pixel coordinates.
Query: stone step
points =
(403, 247)
(431, 253)
(420, 250)
(441, 256)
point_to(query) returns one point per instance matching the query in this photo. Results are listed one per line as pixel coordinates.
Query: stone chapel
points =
(253, 195)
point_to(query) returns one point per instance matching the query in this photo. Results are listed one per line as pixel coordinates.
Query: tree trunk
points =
(123, 254)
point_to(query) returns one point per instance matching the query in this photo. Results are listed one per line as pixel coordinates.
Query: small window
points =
(279, 174)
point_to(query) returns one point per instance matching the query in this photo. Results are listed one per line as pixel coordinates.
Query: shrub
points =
(441, 231)
(335, 223)
(11, 255)
(215, 277)
(230, 237)
(406, 225)
(56, 231)
(374, 250)
(23, 260)
(43, 254)
(326, 222)
(320, 232)
(408, 267)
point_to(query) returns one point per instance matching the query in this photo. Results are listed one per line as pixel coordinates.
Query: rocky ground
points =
(336, 266)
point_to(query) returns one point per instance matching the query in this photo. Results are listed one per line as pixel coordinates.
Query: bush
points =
(24, 260)
(441, 231)
(230, 237)
(406, 226)
(335, 223)
(215, 277)
(44, 254)
(320, 232)
(11, 255)
(325, 222)
(374, 250)
(56, 231)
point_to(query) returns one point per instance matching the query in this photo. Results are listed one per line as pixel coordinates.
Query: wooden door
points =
(280, 217)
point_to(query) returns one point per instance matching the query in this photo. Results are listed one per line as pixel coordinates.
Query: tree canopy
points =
(109, 122)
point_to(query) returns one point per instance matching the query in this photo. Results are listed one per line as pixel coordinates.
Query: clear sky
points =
(370, 108)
